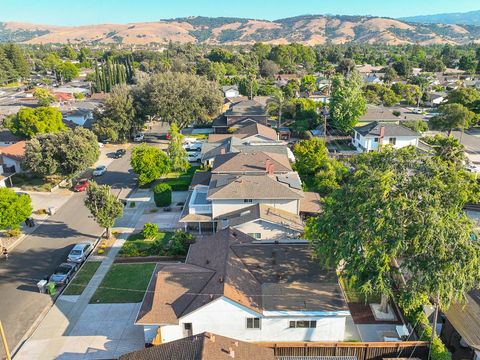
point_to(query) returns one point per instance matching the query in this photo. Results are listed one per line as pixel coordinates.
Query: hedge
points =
(162, 194)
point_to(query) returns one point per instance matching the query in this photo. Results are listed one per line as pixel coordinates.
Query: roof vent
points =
(220, 280)
(207, 261)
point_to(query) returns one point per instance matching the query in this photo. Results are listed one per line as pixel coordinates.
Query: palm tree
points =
(275, 106)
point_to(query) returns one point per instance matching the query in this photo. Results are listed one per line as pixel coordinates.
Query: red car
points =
(82, 185)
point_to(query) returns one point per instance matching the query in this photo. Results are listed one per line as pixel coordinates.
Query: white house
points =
(369, 137)
(230, 91)
(247, 290)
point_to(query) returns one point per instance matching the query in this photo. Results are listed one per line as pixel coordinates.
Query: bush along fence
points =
(162, 194)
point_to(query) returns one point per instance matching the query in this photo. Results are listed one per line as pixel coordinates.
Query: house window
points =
(392, 141)
(247, 200)
(303, 324)
(253, 323)
(255, 235)
(375, 140)
(187, 329)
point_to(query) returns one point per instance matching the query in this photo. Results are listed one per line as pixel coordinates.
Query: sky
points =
(83, 12)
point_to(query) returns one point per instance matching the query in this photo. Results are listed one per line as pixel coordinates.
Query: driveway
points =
(40, 253)
(104, 331)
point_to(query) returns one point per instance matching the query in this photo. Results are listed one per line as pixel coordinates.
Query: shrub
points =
(41, 212)
(162, 194)
(180, 243)
(13, 233)
(150, 231)
(129, 249)
(416, 125)
(100, 251)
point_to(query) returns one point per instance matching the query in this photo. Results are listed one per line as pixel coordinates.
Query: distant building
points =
(230, 91)
(369, 137)
(241, 114)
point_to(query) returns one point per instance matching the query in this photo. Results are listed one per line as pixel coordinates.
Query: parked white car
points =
(80, 252)
(194, 156)
(100, 170)
(197, 145)
(139, 137)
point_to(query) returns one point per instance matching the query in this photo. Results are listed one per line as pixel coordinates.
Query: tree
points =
(67, 71)
(390, 75)
(451, 117)
(403, 67)
(269, 68)
(400, 205)
(149, 163)
(66, 153)
(18, 59)
(104, 206)
(347, 103)
(182, 99)
(275, 106)
(43, 96)
(29, 122)
(346, 67)
(14, 209)
(464, 96)
(177, 154)
(180, 243)
(115, 120)
(308, 84)
(447, 149)
(416, 125)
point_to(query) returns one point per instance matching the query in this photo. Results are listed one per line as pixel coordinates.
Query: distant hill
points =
(467, 18)
(310, 30)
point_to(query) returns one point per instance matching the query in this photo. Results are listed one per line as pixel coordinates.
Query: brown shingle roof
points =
(250, 187)
(254, 162)
(311, 203)
(205, 346)
(242, 270)
(258, 129)
(201, 178)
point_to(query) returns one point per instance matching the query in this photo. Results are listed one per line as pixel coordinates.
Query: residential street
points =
(41, 252)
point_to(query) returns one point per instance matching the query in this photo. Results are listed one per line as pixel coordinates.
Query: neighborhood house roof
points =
(251, 162)
(205, 346)
(15, 151)
(228, 186)
(264, 212)
(373, 130)
(7, 136)
(310, 203)
(244, 271)
(246, 108)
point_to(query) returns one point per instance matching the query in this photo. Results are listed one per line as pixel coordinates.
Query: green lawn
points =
(137, 245)
(29, 182)
(124, 283)
(82, 278)
(181, 181)
(354, 295)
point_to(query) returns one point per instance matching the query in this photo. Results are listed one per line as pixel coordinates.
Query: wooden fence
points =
(361, 350)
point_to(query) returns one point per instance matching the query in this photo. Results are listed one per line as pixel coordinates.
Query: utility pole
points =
(4, 341)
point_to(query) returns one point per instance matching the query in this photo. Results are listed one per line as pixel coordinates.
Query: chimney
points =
(231, 353)
(222, 151)
(267, 164)
(382, 136)
(271, 169)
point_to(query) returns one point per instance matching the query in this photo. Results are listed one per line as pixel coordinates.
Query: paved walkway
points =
(70, 320)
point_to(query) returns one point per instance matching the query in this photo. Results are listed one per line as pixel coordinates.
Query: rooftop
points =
(15, 151)
(231, 264)
(246, 108)
(251, 162)
(373, 130)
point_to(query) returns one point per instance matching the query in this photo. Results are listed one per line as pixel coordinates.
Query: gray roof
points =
(7, 136)
(373, 130)
(247, 108)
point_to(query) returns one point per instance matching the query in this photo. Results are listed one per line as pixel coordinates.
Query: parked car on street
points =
(194, 156)
(63, 274)
(81, 185)
(119, 153)
(138, 137)
(80, 252)
(100, 170)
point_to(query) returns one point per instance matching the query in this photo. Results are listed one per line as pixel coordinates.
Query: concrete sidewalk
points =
(69, 320)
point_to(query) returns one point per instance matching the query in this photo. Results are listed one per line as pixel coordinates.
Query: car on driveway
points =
(63, 274)
(119, 153)
(81, 185)
(80, 252)
(194, 156)
(138, 137)
(100, 170)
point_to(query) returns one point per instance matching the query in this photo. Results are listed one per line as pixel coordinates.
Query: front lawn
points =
(81, 280)
(180, 181)
(124, 283)
(28, 182)
(137, 245)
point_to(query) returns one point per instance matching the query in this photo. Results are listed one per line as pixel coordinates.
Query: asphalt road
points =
(40, 253)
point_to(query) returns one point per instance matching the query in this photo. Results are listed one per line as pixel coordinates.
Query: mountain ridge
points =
(305, 29)
(459, 18)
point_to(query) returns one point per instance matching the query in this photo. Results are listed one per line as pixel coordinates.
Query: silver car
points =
(63, 274)
(80, 252)
(100, 170)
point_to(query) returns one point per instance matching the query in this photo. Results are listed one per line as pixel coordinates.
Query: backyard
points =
(124, 283)
(83, 277)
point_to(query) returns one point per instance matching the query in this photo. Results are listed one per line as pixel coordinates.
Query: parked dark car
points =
(119, 153)
(63, 274)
